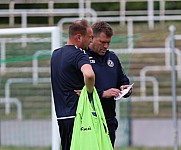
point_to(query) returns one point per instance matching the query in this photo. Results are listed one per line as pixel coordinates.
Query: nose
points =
(106, 45)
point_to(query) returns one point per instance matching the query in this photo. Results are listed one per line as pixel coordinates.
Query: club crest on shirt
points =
(110, 63)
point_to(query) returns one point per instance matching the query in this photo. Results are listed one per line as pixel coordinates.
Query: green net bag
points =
(90, 130)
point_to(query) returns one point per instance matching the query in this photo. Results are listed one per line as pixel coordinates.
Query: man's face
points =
(101, 43)
(87, 39)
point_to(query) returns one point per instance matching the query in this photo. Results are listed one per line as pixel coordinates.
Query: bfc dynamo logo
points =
(110, 63)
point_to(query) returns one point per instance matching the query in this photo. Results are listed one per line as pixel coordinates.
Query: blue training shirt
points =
(66, 77)
(108, 74)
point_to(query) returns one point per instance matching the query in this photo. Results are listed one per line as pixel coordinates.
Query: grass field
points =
(127, 148)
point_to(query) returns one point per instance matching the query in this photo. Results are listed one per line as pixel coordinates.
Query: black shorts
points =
(66, 130)
(112, 125)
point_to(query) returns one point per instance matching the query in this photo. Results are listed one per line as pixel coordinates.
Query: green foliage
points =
(31, 6)
(98, 6)
(105, 6)
(66, 5)
(4, 6)
(173, 5)
(136, 6)
(22, 148)
(130, 6)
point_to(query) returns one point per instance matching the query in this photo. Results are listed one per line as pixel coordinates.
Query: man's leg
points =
(112, 127)
(65, 130)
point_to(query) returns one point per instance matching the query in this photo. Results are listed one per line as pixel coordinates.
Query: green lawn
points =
(144, 148)
(124, 148)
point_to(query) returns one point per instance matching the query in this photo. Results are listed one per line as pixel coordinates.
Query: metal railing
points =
(85, 9)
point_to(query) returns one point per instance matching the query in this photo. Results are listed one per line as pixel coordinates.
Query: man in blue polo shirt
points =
(110, 77)
(70, 71)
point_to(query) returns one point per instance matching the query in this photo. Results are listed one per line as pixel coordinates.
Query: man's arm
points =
(89, 77)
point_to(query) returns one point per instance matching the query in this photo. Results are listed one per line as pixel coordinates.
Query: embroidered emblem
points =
(92, 61)
(110, 63)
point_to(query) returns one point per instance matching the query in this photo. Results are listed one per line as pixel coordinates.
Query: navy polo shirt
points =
(66, 77)
(108, 74)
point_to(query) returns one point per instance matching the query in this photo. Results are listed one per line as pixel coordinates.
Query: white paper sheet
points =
(123, 92)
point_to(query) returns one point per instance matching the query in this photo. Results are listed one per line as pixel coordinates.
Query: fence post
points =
(174, 101)
(81, 9)
(50, 15)
(3, 56)
(151, 14)
(162, 9)
(122, 11)
(130, 34)
(11, 15)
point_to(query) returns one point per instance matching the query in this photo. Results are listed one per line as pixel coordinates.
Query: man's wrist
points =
(90, 95)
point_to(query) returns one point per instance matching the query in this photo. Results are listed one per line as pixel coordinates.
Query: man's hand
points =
(125, 87)
(113, 92)
(77, 92)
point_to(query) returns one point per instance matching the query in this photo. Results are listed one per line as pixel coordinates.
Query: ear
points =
(78, 37)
